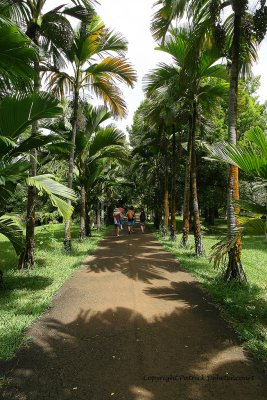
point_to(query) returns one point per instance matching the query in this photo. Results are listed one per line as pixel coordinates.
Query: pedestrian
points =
(142, 220)
(117, 220)
(130, 216)
(121, 218)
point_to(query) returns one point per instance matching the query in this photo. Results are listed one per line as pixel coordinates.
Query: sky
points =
(132, 18)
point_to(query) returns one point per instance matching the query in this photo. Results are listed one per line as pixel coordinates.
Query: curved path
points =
(132, 325)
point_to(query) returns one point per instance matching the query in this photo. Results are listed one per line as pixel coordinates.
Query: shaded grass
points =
(26, 295)
(244, 306)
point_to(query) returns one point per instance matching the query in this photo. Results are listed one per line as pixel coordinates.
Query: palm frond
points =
(17, 10)
(63, 207)
(16, 55)
(106, 137)
(60, 83)
(115, 152)
(27, 109)
(33, 142)
(163, 17)
(82, 10)
(95, 116)
(159, 77)
(45, 183)
(12, 230)
(244, 158)
(219, 252)
(14, 171)
(176, 45)
(259, 138)
(111, 94)
(253, 207)
(113, 68)
(112, 41)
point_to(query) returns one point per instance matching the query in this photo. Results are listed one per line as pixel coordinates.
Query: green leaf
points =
(11, 229)
(63, 207)
(46, 184)
(17, 53)
(25, 110)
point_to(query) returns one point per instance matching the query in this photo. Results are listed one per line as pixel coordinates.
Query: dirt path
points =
(131, 325)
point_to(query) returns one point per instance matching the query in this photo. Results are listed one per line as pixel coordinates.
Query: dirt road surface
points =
(132, 325)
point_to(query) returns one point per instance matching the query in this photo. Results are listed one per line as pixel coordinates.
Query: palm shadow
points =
(137, 257)
(117, 352)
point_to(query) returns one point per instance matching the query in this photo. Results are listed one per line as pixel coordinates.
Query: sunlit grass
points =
(28, 294)
(245, 306)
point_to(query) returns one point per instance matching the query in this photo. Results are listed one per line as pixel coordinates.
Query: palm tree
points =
(96, 70)
(14, 165)
(93, 145)
(146, 138)
(190, 74)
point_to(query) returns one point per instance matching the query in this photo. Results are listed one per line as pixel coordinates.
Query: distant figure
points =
(130, 215)
(142, 220)
(121, 218)
(117, 220)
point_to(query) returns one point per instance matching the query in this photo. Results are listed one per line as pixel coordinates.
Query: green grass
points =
(26, 295)
(244, 306)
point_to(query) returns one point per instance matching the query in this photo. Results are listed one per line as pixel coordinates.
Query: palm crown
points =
(94, 68)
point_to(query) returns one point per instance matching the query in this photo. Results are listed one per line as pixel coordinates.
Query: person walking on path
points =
(130, 216)
(121, 218)
(117, 220)
(142, 220)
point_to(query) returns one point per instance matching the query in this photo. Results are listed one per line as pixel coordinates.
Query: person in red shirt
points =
(117, 220)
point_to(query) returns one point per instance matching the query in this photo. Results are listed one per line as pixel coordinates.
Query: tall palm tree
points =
(147, 136)
(95, 143)
(95, 70)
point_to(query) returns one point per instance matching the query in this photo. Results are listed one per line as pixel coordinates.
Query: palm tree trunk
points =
(234, 269)
(67, 240)
(88, 232)
(197, 226)
(102, 216)
(166, 196)
(98, 217)
(166, 184)
(82, 234)
(157, 197)
(173, 199)
(186, 206)
(26, 258)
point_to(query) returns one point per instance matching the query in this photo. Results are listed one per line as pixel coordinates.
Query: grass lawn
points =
(244, 306)
(28, 294)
